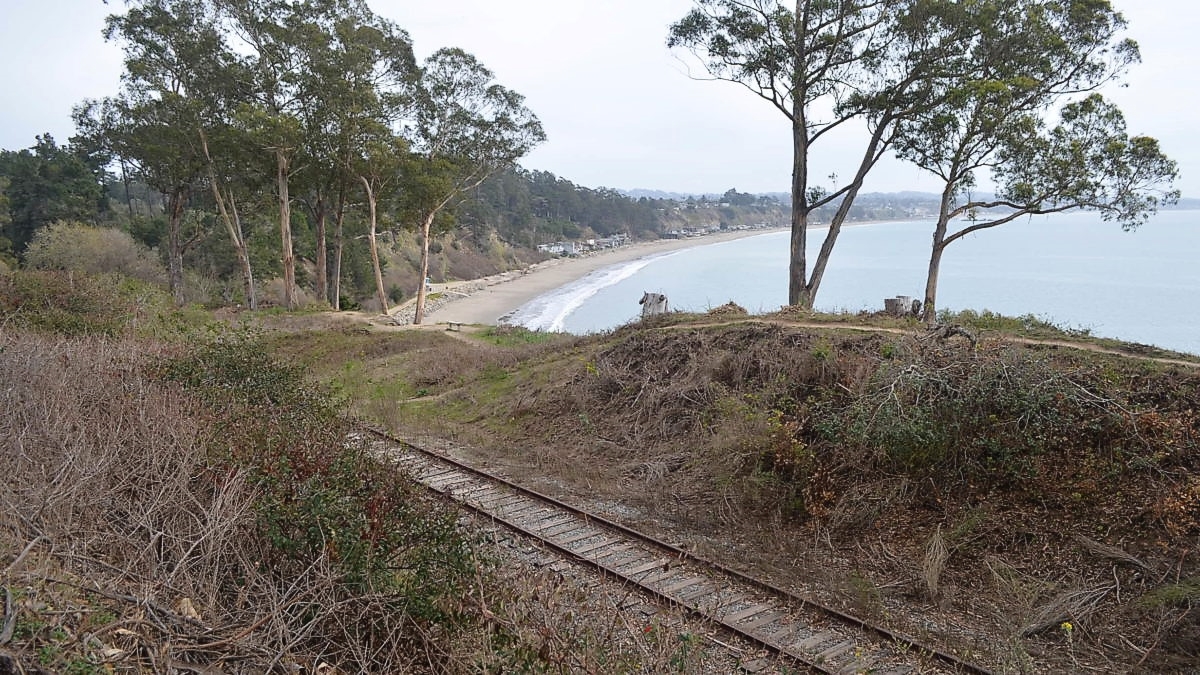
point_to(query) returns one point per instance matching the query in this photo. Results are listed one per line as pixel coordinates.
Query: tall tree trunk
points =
(233, 225)
(839, 218)
(929, 308)
(798, 265)
(339, 244)
(128, 197)
(175, 203)
(285, 229)
(374, 245)
(322, 251)
(243, 257)
(426, 226)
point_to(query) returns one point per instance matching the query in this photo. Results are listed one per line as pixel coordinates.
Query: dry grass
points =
(936, 555)
(803, 445)
(107, 483)
(1068, 609)
(129, 547)
(114, 506)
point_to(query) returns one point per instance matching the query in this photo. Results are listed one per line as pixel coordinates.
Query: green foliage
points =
(43, 184)
(537, 207)
(511, 336)
(7, 259)
(395, 293)
(1015, 61)
(319, 493)
(77, 304)
(75, 247)
(349, 304)
(1027, 324)
(988, 421)
(813, 58)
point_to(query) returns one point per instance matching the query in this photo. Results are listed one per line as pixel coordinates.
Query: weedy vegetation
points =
(177, 497)
(950, 470)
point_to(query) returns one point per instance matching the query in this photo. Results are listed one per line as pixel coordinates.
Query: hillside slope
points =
(1031, 506)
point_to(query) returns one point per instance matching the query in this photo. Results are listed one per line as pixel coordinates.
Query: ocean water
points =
(1072, 269)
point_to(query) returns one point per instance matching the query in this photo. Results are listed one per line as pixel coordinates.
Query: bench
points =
(454, 325)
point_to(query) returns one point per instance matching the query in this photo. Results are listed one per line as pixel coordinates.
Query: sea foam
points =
(549, 312)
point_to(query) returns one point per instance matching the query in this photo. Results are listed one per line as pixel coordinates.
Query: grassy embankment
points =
(1032, 506)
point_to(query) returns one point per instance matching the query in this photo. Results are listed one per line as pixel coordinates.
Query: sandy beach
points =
(485, 301)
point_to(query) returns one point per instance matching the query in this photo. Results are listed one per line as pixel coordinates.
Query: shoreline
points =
(486, 301)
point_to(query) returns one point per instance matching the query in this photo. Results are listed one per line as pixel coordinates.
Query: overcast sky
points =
(619, 109)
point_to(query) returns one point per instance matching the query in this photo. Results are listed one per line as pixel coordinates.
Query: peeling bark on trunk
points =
(175, 203)
(426, 226)
(285, 230)
(374, 245)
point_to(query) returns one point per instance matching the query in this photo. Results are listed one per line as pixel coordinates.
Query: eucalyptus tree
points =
(223, 179)
(1025, 58)
(464, 128)
(379, 164)
(145, 132)
(174, 50)
(271, 33)
(821, 64)
(365, 70)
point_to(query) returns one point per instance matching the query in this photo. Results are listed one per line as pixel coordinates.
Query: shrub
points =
(75, 247)
(235, 492)
(77, 304)
(320, 495)
(271, 294)
(989, 418)
(395, 294)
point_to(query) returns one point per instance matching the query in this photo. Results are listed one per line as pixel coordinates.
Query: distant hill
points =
(639, 193)
(781, 197)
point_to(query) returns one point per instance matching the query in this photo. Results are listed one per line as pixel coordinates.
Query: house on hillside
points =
(616, 240)
(561, 248)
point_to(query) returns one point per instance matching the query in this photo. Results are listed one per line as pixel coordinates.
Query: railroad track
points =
(824, 639)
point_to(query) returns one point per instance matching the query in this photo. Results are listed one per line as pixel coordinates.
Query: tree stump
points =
(901, 305)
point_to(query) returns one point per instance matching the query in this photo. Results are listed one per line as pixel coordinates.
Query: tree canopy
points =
(989, 113)
(822, 65)
(233, 98)
(44, 184)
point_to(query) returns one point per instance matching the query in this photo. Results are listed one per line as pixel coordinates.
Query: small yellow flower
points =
(1067, 627)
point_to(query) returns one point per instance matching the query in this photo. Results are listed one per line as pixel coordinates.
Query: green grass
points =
(513, 336)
